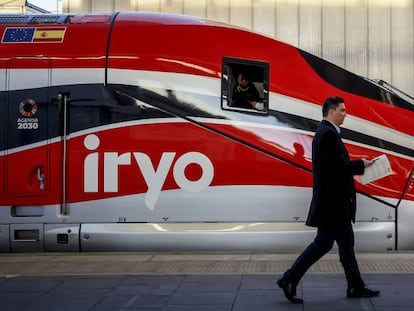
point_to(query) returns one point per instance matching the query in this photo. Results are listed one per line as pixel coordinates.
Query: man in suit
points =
(333, 206)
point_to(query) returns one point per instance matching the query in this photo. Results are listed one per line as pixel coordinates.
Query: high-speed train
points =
(118, 132)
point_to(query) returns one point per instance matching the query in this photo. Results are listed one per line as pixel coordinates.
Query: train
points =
(119, 133)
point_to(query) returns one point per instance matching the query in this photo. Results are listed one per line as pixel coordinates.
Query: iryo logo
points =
(154, 177)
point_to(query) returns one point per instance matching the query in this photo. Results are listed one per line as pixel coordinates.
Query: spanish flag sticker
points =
(49, 34)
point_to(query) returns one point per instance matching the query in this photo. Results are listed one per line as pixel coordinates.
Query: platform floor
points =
(195, 281)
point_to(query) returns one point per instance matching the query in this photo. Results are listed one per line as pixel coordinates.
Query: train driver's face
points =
(241, 79)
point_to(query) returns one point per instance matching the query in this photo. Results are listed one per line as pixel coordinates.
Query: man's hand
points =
(366, 162)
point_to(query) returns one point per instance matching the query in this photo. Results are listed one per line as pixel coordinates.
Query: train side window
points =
(244, 85)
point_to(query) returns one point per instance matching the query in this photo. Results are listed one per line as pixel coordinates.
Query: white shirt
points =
(337, 128)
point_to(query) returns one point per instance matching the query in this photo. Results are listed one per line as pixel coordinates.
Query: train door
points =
(27, 172)
(27, 159)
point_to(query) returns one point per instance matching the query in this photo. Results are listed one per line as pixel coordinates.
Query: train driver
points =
(245, 94)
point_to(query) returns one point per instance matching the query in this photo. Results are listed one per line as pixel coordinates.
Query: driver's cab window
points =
(245, 85)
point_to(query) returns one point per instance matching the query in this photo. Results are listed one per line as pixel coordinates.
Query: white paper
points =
(379, 169)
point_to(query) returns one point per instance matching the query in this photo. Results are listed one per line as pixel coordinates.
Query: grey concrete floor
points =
(194, 281)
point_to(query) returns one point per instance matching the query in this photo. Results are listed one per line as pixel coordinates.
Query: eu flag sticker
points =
(18, 35)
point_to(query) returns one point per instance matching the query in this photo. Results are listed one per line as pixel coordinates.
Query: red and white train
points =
(118, 133)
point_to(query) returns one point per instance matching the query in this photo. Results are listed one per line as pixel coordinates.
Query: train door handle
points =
(41, 178)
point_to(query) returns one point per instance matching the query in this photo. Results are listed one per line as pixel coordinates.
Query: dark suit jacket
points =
(334, 196)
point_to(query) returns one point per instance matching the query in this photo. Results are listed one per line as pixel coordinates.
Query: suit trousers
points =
(323, 243)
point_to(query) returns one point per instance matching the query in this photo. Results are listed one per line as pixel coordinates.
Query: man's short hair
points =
(331, 103)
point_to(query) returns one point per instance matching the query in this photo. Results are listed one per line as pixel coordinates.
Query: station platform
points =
(195, 281)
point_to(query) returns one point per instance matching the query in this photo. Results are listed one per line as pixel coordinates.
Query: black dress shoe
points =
(289, 290)
(362, 292)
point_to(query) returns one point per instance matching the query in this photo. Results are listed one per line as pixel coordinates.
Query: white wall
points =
(372, 38)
